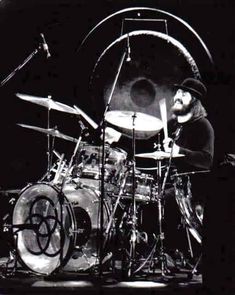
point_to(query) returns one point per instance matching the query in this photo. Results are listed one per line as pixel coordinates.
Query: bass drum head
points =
(44, 237)
(86, 208)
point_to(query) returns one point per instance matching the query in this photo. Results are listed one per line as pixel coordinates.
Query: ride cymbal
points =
(129, 119)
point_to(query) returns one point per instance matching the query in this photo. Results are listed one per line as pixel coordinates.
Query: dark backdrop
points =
(65, 24)
(64, 76)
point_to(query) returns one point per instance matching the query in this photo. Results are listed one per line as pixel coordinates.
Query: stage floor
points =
(23, 282)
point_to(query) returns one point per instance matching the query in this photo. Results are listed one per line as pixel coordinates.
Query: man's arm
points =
(202, 157)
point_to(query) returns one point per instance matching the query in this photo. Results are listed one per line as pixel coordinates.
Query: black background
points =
(65, 23)
(23, 156)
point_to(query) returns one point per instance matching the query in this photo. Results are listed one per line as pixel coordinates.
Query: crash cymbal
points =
(51, 131)
(143, 122)
(158, 155)
(48, 103)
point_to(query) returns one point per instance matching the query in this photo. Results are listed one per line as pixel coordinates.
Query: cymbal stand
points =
(161, 236)
(61, 195)
(133, 222)
(161, 191)
(160, 199)
(103, 126)
(49, 154)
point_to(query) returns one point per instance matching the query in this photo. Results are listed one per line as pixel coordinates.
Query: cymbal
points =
(51, 131)
(48, 103)
(143, 122)
(158, 155)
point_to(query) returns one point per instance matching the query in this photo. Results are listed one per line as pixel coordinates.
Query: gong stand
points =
(102, 188)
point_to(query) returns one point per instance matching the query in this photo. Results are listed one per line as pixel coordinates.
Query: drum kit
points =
(66, 222)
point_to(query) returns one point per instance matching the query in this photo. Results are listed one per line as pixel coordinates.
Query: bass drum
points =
(48, 238)
(43, 228)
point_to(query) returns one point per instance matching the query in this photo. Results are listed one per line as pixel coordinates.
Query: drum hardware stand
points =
(122, 186)
(133, 222)
(61, 195)
(103, 127)
(59, 169)
(161, 190)
(49, 146)
(13, 254)
(189, 240)
(187, 174)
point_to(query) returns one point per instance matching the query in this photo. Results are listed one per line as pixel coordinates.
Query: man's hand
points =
(111, 135)
(169, 145)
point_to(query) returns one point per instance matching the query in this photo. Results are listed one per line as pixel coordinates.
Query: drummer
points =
(191, 135)
(195, 135)
(190, 130)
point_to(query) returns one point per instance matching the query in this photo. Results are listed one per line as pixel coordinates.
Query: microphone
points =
(128, 59)
(45, 46)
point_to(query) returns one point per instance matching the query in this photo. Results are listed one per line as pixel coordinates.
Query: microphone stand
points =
(103, 126)
(11, 75)
(20, 66)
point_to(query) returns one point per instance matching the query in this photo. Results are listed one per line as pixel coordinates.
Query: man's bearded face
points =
(182, 102)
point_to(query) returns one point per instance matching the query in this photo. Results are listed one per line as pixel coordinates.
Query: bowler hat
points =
(194, 86)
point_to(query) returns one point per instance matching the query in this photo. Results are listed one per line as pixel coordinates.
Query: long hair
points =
(197, 109)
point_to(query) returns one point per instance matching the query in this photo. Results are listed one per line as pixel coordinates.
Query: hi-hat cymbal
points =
(48, 103)
(51, 131)
(158, 155)
(142, 122)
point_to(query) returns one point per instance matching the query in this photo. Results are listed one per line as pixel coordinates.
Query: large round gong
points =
(154, 62)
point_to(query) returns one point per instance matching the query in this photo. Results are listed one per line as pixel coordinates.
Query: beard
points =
(179, 109)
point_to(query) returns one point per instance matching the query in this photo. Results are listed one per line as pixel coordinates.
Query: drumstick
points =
(163, 111)
(86, 117)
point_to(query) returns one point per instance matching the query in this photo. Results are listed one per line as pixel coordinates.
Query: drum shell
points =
(89, 162)
(86, 207)
(145, 187)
